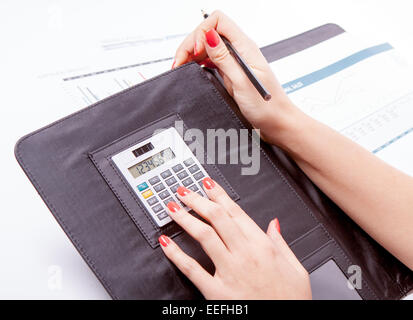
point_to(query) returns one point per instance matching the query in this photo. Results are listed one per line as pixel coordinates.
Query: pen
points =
(251, 76)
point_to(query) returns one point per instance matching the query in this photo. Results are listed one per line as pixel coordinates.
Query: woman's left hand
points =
(249, 264)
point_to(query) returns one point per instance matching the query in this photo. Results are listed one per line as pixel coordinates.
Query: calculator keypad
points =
(159, 187)
(166, 174)
(193, 169)
(188, 181)
(177, 167)
(154, 180)
(165, 187)
(182, 174)
(151, 201)
(170, 181)
(164, 194)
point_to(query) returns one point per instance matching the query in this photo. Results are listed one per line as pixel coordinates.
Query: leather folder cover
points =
(68, 163)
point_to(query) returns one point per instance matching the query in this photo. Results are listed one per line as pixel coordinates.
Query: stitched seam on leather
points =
(317, 250)
(157, 229)
(317, 227)
(277, 170)
(121, 200)
(318, 265)
(89, 260)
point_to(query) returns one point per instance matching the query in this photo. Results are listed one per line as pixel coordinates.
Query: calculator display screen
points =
(152, 162)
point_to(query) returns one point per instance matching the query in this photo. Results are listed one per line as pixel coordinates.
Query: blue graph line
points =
(392, 140)
(342, 64)
(338, 66)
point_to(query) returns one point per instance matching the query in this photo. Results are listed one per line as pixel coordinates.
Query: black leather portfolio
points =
(71, 165)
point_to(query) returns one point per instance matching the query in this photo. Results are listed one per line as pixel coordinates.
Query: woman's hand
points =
(205, 46)
(249, 264)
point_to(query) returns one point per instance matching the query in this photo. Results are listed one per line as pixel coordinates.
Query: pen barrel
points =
(249, 73)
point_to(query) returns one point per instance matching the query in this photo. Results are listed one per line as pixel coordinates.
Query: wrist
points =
(283, 124)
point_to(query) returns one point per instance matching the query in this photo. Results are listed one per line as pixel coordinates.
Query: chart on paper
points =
(119, 64)
(88, 88)
(363, 91)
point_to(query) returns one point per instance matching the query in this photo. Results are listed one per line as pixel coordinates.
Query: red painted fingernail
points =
(163, 240)
(173, 64)
(208, 183)
(212, 38)
(277, 225)
(173, 206)
(182, 191)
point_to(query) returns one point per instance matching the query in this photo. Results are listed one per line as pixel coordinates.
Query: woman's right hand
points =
(204, 45)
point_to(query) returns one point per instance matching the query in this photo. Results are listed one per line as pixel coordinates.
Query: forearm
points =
(375, 195)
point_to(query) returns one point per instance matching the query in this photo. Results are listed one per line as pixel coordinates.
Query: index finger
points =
(224, 26)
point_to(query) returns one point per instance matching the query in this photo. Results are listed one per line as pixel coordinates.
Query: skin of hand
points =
(376, 196)
(249, 264)
(260, 113)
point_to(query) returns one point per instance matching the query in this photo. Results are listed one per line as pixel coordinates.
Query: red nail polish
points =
(182, 191)
(173, 206)
(173, 64)
(208, 183)
(212, 38)
(163, 240)
(277, 225)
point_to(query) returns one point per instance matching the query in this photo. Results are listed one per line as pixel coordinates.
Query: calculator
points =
(156, 167)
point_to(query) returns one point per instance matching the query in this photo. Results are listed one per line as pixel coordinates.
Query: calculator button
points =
(193, 169)
(142, 186)
(174, 188)
(147, 194)
(182, 175)
(189, 161)
(154, 180)
(162, 215)
(199, 175)
(170, 181)
(164, 194)
(152, 201)
(159, 187)
(187, 182)
(177, 168)
(201, 184)
(194, 188)
(167, 201)
(200, 193)
(180, 203)
(166, 174)
(157, 208)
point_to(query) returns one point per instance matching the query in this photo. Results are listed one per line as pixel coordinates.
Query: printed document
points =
(363, 90)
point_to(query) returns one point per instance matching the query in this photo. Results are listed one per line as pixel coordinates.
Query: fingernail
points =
(163, 240)
(208, 183)
(173, 64)
(212, 38)
(182, 191)
(173, 206)
(277, 225)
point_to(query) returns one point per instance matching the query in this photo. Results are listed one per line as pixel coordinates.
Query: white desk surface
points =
(39, 35)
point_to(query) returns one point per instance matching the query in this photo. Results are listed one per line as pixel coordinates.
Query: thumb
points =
(219, 54)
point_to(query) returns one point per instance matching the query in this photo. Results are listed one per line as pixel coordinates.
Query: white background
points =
(48, 35)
